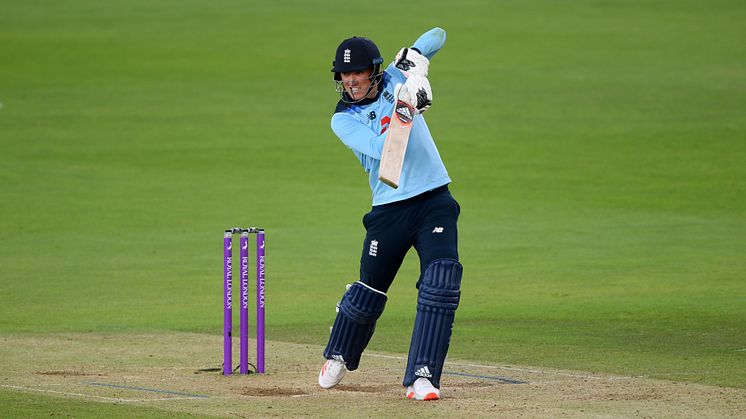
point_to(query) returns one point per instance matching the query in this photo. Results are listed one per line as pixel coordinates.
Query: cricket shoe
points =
(332, 373)
(422, 389)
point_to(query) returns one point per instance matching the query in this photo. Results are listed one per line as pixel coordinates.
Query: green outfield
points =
(597, 150)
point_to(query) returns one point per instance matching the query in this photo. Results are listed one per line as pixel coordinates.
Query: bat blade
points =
(395, 146)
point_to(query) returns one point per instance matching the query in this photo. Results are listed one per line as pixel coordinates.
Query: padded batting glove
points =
(411, 62)
(417, 92)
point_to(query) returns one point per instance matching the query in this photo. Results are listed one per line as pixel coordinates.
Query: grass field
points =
(597, 150)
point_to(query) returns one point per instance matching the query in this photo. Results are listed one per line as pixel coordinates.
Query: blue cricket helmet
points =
(356, 54)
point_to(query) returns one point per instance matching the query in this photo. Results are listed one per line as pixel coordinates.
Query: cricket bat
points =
(395, 145)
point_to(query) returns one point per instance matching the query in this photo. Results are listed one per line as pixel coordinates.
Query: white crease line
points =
(113, 399)
(533, 371)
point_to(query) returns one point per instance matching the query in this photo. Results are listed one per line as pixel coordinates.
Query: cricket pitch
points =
(178, 372)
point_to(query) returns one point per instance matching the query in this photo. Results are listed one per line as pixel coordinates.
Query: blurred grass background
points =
(596, 148)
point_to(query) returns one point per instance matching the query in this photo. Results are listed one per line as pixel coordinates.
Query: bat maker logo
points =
(404, 112)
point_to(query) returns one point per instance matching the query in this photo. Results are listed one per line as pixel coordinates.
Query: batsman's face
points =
(357, 83)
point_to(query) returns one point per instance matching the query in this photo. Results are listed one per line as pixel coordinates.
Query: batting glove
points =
(416, 91)
(411, 62)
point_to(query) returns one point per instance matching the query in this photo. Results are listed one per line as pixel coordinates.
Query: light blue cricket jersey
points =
(362, 128)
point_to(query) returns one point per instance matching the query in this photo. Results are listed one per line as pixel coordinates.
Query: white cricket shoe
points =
(332, 373)
(422, 389)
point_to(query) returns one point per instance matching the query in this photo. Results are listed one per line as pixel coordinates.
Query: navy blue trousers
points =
(426, 222)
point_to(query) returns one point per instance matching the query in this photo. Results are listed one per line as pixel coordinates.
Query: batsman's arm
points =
(415, 60)
(430, 42)
(358, 136)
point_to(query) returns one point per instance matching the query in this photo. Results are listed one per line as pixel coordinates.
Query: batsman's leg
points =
(359, 309)
(385, 245)
(437, 301)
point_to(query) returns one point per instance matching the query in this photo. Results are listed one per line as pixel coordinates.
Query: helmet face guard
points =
(375, 81)
(357, 54)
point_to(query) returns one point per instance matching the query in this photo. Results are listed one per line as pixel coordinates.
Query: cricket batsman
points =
(420, 213)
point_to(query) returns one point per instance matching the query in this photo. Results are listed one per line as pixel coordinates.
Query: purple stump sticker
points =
(260, 301)
(244, 347)
(227, 302)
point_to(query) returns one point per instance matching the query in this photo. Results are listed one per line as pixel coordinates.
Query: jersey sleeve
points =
(430, 42)
(427, 44)
(358, 136)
